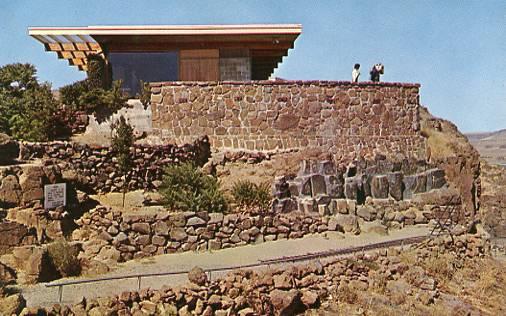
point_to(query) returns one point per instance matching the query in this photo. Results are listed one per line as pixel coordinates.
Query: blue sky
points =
(456, 49)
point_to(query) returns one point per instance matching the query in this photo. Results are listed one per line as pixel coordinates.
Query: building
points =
(175, 53)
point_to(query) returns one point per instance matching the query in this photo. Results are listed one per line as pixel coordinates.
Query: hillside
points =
(491, 145)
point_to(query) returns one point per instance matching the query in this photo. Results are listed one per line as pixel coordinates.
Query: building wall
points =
(342, 118)
(235, 69)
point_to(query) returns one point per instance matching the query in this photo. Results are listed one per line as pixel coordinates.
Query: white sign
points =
(55, 195)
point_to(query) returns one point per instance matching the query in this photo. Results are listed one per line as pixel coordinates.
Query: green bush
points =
(63, 256)
(145, 94)
(249, 194)
(82, 96)
(98, 72)
(27, 107)
(184, 187)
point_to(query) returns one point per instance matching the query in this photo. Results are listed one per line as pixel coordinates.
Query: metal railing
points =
(268, 262)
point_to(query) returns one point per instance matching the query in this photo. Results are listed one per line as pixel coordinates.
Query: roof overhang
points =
(268, 43)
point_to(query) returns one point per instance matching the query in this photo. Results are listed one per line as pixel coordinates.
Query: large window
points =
(148, 67)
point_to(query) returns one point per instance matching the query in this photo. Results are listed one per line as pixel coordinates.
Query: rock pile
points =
(95, 168)
(279, 291)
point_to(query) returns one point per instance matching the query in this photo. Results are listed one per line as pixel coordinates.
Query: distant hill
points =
(490, 145)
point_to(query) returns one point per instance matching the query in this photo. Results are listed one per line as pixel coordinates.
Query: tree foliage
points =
(27, 107)
(186, 188)
(122, 140)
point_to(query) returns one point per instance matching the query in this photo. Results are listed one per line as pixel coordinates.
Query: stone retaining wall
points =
(346, 119)
(95, 168)
(111, 235)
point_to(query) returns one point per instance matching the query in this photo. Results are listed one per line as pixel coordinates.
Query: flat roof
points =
(268, 43)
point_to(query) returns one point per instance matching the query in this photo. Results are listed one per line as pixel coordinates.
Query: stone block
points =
(294, 187)
(335, 186)
(379, 187)
(414, 184)
(308, 205)
(284, 205)
(326, 167)
(395, 185)
(435, 179)
(351, 188)
(318, 185)
(349, 223)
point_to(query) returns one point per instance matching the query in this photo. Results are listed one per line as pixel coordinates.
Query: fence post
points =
(139, 282)
(60, 293)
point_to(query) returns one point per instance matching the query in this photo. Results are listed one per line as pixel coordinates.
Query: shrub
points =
(98, 72)
(82, 96)
(27, 107)
(122, 140)
(184, 187)
(248, 194)
(63, 256)
(145, 94)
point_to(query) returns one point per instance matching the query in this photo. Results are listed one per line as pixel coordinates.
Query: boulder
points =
(286, 302)
(13, 234)
(414, 184)
(197, 276)
(435, 179)
(10, 191)
(7, 274)
(12, 305)
(349, 223)
(142, 228)
(309, 298)
(9, 149)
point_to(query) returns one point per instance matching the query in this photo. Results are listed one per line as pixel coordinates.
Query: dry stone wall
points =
(346, 119)
(288, 290)
(95, 168)
(111, 235)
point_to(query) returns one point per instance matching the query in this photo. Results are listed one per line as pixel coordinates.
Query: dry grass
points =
(465, 284)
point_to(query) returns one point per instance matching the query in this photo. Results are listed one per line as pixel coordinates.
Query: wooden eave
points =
(267, 43)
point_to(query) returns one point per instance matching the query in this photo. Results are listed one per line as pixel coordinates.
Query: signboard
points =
(55, 195)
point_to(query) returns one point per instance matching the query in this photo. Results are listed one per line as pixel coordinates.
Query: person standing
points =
(376, 71)
(355, 73)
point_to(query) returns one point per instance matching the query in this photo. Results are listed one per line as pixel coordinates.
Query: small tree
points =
(122, 140)
(27, 107)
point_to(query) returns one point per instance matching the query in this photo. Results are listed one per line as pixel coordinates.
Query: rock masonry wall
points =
(95, 168)
(347, 119)
(322, 187)
(111, 235)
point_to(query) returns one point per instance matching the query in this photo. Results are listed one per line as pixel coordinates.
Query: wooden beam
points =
(54, 47)
(65, 54)
(152, 46)
(79, 54)
(77, 62)
(82, 46)
(69, 46)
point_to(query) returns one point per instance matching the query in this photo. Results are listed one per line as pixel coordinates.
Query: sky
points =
(456, 49)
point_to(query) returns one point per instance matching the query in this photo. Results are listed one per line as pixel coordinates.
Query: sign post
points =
(55, 195)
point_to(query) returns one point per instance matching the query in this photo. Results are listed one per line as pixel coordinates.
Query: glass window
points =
(148, 67)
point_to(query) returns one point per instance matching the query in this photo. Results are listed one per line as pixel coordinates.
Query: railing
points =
(293, 259)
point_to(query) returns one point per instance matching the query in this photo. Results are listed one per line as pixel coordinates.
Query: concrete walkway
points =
(40, 295)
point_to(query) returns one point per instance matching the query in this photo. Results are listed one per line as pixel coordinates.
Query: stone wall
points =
(291, 289)
(345, 119)
(321, 187)
(111, 235)
(94, 168)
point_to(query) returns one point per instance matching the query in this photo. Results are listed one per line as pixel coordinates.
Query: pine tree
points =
(122, 141)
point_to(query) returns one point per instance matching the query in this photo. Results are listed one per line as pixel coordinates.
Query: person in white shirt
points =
(355, 73)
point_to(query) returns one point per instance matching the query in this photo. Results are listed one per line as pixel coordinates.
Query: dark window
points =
(148, 67)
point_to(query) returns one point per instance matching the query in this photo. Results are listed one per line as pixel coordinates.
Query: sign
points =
(55, 195)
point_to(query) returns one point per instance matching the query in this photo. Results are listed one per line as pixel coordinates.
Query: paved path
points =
(39, 295)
